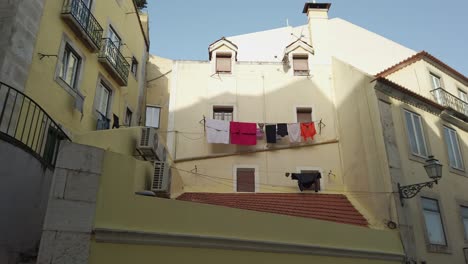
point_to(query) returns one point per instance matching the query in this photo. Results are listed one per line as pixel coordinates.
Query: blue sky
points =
(183, 29)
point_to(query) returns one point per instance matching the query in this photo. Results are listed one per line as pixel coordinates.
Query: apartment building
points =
(67, 68)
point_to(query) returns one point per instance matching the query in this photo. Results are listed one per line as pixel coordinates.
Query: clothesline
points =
(245, 133)
(320, 122)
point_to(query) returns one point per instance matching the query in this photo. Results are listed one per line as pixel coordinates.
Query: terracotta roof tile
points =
(329, 207)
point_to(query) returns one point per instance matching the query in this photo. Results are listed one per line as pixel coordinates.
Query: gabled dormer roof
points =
(299, 44)
(222, 42)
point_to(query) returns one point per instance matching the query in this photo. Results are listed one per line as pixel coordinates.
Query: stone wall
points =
(72, 204)
(19, 25)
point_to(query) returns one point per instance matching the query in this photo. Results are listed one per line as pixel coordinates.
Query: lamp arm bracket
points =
(410, 191)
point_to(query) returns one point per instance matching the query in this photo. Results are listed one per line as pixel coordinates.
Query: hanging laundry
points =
(282, 130)
(217, 131)
(243, 133)
(260, 133)
(308, 130)
(306, 180)
(294, 132)
(270, 133)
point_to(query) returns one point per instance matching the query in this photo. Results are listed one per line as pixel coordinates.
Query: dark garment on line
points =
(270, 133)
(116, 122)
(282, 130)
(306, 180)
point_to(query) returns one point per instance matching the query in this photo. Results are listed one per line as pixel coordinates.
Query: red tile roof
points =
(329, 207)
(429, 58)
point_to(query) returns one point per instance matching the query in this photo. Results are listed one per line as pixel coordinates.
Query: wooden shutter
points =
(301, 64)
(223, 62)
(304, 115)
(245, 180)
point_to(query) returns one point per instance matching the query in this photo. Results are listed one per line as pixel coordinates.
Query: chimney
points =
(315, 10)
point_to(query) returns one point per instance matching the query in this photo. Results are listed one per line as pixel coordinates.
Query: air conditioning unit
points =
(146, 144)
(161, 179)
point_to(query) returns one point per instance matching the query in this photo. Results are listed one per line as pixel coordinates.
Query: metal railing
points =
(112, 54)
(25, 123)
(449, 100)
(81, 13)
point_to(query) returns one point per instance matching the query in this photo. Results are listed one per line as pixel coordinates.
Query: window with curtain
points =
(453, 148)
(153, 116)
(304, 114)
(415, 134)
(301, 64)
(70, 66)
(134, 68)
(223, 62)
(434, 225)
(128, 117)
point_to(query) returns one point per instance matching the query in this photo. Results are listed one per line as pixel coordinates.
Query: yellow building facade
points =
(89, 63)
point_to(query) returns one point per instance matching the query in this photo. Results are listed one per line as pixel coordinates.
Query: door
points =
(114, 45)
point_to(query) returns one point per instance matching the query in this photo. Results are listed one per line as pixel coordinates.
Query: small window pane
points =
(152, 116)
(411, 133)
(435, 81)
(304, 115)
(70, 64)
(223, 63)
(433, 220)
(103, 99)
(415, 134)
(420, 136)
(223, 113)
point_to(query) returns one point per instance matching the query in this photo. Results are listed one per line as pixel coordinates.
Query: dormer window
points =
(301, 64)
(223, 62)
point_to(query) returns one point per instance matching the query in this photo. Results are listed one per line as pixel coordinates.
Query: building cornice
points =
(103, 235)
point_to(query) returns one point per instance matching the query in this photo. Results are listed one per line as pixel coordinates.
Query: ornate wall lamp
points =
(433, 170)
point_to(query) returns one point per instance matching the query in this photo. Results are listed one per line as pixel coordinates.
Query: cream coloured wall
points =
(258, 92)
(416, 77)
(42, 87)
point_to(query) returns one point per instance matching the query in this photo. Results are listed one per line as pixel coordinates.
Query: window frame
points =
(449, 146)
(433, 77)
(225, 55)
(256, 176)
(159, 116)
(464, 205)
(216, 108)
(434, 248)
(134, 62)
(103, 85)
(67, 53)
(300, 72)
(414, 129)
(301, 108)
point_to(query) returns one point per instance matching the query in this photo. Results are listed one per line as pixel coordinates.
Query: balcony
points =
(77, 15)
(451, 102)
(114, 61)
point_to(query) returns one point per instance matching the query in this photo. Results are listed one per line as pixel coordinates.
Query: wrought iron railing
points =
(450, 101)
(24, 122)
(81, 13)
(111, 53)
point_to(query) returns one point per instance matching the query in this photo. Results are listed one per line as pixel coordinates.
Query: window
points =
(223, 113)
(223, 62)
(103, 95)
(153, 116)
(304, 114)
(134, 67)
(433, 220)
(245, 180)
(112, 35)
(70, 66)
(463, 95)
(453, 147)
(464, 216)
(301, 64)
(415, 134)
(128, 117)
(436, 82)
